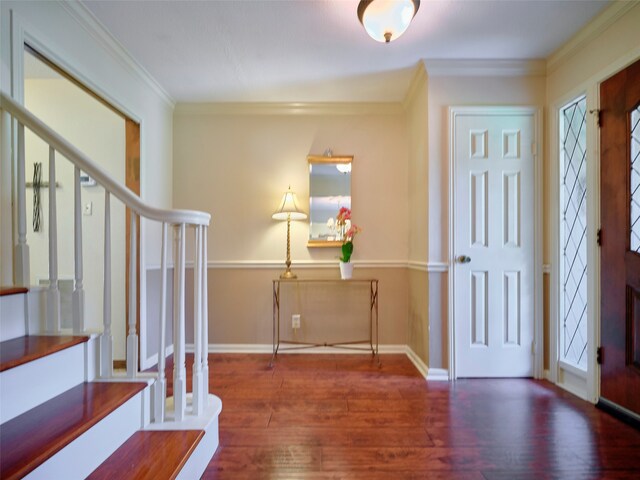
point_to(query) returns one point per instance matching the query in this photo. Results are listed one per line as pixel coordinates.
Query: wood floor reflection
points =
(343, 417)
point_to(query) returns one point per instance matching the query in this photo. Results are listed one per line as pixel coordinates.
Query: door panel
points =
(494, 226)
(620, 262)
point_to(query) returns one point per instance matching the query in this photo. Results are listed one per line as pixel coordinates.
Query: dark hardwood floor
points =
(340, 416)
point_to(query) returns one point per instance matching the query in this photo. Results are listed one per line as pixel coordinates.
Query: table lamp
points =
(288, 210)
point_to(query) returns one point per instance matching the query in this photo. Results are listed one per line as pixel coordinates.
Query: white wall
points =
(98, 132)
(69, 36)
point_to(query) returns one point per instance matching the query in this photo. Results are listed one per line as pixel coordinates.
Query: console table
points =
(373, 318)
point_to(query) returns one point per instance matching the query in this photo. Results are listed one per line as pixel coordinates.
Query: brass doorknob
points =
(463, 259)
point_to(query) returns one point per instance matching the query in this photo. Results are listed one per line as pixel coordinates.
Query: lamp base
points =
(288, 274)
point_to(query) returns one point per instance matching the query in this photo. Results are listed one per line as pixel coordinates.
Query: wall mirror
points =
(329, 190)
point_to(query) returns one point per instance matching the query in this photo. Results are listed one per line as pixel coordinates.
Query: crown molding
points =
(275, 108)
(88, 21)
(419, 78)
(588, 33)
(484, 68)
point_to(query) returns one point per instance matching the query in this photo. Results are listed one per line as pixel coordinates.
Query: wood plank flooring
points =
(342, 417)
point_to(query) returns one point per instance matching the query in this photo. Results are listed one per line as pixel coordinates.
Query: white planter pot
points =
(346, 270)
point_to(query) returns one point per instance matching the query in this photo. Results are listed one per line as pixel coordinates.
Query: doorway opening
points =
(112, 139)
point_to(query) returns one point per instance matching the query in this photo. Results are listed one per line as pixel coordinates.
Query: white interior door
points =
(493, 243)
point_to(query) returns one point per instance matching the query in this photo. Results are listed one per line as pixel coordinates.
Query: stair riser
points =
(27, 386)
(12, 317)
(201, 456)
(94, 446)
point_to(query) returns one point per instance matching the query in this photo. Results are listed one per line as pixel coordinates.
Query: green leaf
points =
(347, 250)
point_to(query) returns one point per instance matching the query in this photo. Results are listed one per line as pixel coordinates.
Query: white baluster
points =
(78, 291)
(53, 294)
(6, 180)
(198, 394)
(179, 369)
(21, 251)
(132, 337)
(161, 384)
(205, 318)
(106, 344)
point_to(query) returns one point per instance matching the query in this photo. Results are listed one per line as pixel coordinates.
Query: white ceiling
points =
(316, 50)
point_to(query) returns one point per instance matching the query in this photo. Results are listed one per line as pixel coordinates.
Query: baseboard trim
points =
(438, 375)
(417, 361)
(621, 413)
(259, 348)
(429, 374)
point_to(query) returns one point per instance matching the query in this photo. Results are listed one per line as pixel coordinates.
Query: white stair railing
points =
(16, 116)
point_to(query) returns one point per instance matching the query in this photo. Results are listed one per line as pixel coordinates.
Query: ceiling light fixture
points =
(386, 20)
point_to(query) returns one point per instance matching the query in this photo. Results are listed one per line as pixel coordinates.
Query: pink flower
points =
(343, 215)
(352, 232)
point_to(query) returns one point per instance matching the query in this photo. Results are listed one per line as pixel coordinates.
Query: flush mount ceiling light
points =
(386, 20)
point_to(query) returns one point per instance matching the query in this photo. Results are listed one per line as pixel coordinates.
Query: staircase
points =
(64, 411)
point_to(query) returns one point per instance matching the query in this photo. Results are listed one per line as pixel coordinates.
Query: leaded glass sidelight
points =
(635, 181)
(573, 230)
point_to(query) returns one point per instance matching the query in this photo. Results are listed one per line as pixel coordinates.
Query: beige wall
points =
(98, 132)
(237, 166)
(417, 127)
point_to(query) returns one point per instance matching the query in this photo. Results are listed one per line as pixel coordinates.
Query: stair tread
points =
(12, 290)
(30, 439)
(22, 350)
(150, 455)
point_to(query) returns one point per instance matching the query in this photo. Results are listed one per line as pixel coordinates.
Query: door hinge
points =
(599, 237)
(599, 355)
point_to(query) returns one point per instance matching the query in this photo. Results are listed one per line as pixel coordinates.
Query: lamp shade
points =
(288, 208)
(386, 20)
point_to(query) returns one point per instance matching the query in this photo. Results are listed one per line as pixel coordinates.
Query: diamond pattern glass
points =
(573, 229)
(635, 181)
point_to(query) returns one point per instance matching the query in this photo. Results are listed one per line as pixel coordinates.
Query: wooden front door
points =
(620, 252)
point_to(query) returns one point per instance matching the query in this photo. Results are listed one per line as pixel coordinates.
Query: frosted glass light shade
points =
(289, 208)
(386, 20)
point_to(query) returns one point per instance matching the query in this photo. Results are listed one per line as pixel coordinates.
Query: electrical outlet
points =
(88, 208)
(295, 320)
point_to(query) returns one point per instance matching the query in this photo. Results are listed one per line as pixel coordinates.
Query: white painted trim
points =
(538, 307)
(417, 362)
(274, 108)
(438, 267)
(431, 267)
(592, 388)
(23, 33)
(419, 266)
(591, 31)
(485, 68)
(279, 264)
(546, 268)
(438, 375)
(88, 21)
(148, 362)
(546, 375)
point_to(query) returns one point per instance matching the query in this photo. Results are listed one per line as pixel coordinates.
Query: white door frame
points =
(454, 112)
